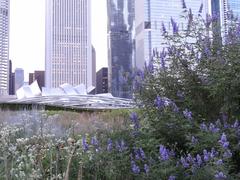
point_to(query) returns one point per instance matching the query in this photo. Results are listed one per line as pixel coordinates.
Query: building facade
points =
(120, 46)
(150, 17)
(19, 78)
(11, 79)
(223, 8)
(38, 76)
(102, 81)
(93, 66)
(68, 57)
(4, 47)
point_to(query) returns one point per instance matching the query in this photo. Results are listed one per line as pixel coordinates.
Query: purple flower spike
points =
(174, 26)
(200, 9)
(172, 178)
(184, 4)
(84, 144)
(164, 28)
(146, 168)
(220, 175)
(203, 127)
(142, 153)
(199, 160)
(185, 164)
(164, 154)
(227, 154)
(223, 141)
(236, 124)
(135, 168)
(159, 102)
(212, 128)
(219, 162)
(109, 145)
(187, 114)
(206, 155)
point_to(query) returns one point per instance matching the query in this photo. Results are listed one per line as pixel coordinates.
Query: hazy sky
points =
(27, 34)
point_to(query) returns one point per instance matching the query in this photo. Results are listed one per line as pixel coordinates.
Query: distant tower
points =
(4, 46)
(93, 66)
(225, 8)
(68, 57)
(120, 46)
(19, 78)
(11, 79)
(102, 81)
(150, 14)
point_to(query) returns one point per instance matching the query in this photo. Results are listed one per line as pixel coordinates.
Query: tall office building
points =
(150, 14)
(4, 46)
(39, 76)
(102, 81)
(223, 8)
(120, 45)
(93, 66)
(11, 77)
(68, 57)
(19, 78)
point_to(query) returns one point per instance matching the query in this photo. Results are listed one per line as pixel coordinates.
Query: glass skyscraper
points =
(4, 46)
(120, 46)
(150, 14)
(68, 43)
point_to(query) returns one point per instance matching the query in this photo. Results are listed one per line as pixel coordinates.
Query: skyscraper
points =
(150, 15)
(4, 41)
(19, 78)
(224, 8)
(120, 45)
(102, 81)
(68, 43)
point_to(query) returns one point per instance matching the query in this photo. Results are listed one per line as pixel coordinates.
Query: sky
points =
(27, 34)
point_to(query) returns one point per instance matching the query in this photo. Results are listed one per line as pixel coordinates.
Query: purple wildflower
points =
(206, 155)
(172, 178)
(220, 175)
(199, 160)
(146, 168)
(223, 141)
(194, 140)
(142, 153)
(187, 114)
(94, 141)
(84, 144)
(109, 145)
(189, 158)
(121, 146)
(213, 153)
(185, 164)
(184, 4)
(236, 124)
(137, 156)
(212, 128)
(135, 168)
(174, 26)
(164, 154)
(203, 127)
(200, 9)
(164, 28)
(159, 102)
(219, 162)
(163, 55)
(227, 154)
(135, 121)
